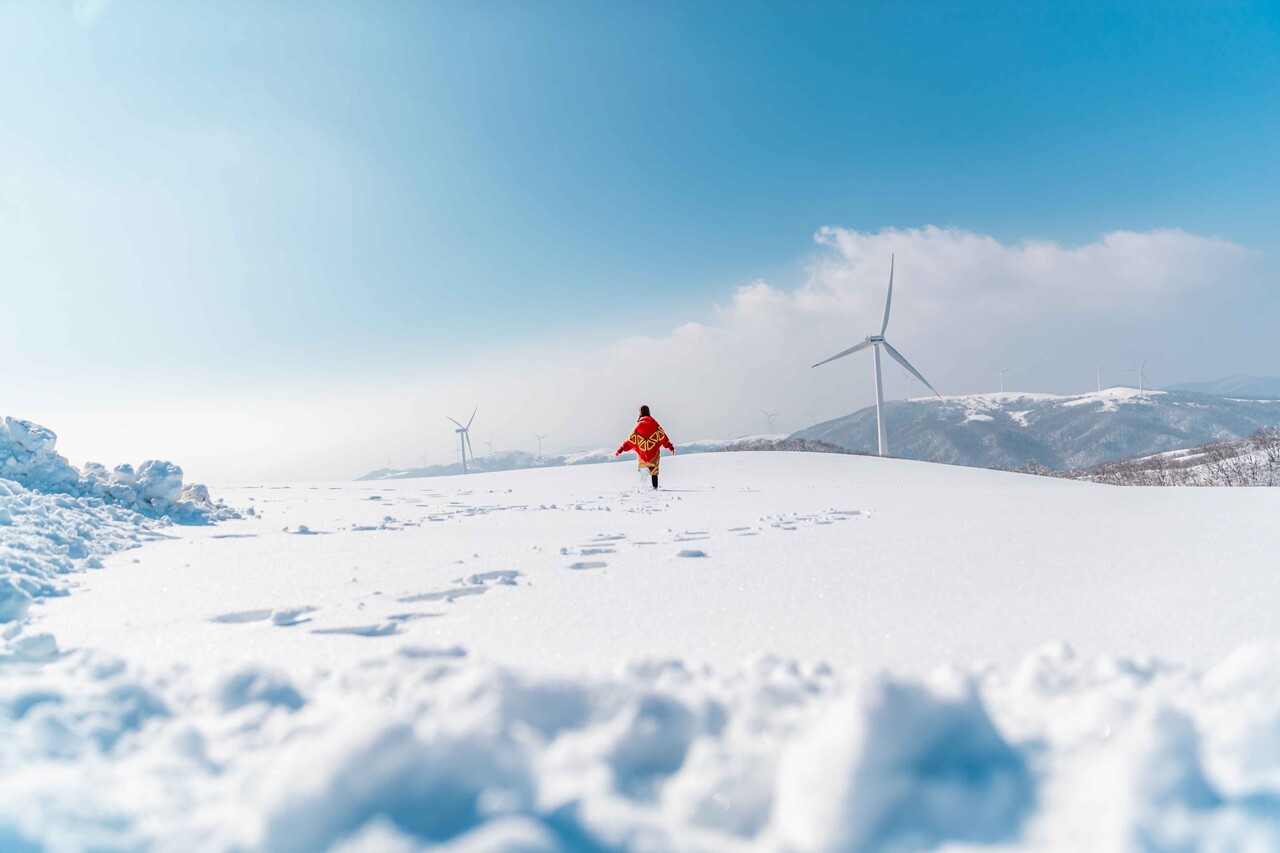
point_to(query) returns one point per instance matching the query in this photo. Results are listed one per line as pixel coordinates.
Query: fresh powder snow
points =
(776, 651)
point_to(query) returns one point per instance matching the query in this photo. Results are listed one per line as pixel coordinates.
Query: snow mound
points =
(28, 457)
(56, 521)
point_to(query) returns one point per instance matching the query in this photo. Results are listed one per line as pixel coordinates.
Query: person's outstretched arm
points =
(666, 442)
(626, 445)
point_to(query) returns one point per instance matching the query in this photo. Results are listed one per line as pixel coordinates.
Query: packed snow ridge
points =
(56, 520)
(29, 459)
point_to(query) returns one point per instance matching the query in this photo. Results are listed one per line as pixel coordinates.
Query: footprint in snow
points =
(243, 616)
(589, 550)
(506, 577)
(428, 652)
(445, 595)
(292, 616)
(409, 617)
(476, 584)
(281, 616)
(692, 552)
(588, 564)
(383, 630)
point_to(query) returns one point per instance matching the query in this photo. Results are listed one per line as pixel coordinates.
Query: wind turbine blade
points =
(897, 356)
(473, 417)
(889, 299)
(451, 419)
(849, 351)
(469, 448)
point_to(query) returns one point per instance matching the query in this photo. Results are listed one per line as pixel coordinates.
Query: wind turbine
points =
(910, 379)
(423, 457)
(464, 439)
(1138, 370)
(489, 444)
(539, 437)
(1002, 372)
(769, 416)
(1098, 370)
(813, 416)
(876, 342)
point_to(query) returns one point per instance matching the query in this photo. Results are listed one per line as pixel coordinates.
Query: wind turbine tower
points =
(876, 342)
(489, 444)
(1098, 370)
(1141, 375)
(1002, 372)
(539, 437)
(769, 416)
(464, 439)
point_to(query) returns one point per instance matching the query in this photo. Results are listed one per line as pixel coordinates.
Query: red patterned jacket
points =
(647, 440)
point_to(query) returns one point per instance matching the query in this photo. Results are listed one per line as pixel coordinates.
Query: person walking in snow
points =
(647, 440)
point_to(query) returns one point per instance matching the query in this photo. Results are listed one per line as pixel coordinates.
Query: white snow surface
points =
(778, 651)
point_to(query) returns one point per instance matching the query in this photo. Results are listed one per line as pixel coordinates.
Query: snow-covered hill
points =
(1239, 386)
(1011, 429)
(1251, 461)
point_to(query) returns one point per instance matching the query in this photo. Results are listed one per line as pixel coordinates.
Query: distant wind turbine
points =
(1099, 369)
(489, 444)
(769, 416)
(539, 437)
(1002, 372)
(910, 379)
(464, 439)
(876, 342)
(423, 457)
(1139, 371)
(813, 416)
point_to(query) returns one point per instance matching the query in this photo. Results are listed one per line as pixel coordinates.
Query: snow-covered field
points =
(779, 651)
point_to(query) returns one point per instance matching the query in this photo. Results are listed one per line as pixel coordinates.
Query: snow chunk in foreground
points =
(899, 766)
(27, 456)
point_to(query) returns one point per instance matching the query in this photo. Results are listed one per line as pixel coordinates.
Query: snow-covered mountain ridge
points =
(1011, 429)
(1238, 386)
(1250, 461)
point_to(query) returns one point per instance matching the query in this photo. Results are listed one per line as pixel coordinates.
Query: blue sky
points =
(240, 205)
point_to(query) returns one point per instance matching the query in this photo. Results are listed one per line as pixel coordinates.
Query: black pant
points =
(655, 480)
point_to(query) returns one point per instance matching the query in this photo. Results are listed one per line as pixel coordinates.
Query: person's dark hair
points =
(644, 412)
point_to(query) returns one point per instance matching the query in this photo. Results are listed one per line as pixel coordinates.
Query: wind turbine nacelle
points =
(875, 339)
